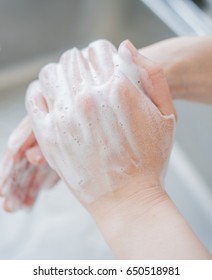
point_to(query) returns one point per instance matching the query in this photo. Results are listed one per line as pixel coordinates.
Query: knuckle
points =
(156, 72)
(65, 57)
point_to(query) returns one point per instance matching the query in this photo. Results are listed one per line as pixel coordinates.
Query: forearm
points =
(147, 225)
(187, 63)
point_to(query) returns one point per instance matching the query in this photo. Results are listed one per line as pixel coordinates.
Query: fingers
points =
(6, 168)
(45, 177)
(36, 104)
(22, 191)
(16, 185)
(20, 140)
(153, 81)
(74, 70)
(35, 156)
(22, 137)
(9, 206)
(49, 85)
(100, 54)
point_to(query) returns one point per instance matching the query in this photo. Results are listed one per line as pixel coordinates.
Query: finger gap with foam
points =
(60, 123)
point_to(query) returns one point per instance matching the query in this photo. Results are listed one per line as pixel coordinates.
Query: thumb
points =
(153, 81)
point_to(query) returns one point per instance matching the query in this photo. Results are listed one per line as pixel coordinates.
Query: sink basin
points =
(37, 32)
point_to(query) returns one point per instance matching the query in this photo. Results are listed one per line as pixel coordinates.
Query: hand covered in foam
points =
(20, 180)
(100, 119)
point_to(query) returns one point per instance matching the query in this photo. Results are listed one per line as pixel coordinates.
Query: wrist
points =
(145, 224)
(122, 209)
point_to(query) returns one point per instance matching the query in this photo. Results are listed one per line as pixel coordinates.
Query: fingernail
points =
(127, 50)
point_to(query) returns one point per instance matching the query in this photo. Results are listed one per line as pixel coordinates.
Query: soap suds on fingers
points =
(21, 181)
(101, 128)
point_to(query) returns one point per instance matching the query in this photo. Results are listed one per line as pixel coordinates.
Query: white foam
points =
(90, 138)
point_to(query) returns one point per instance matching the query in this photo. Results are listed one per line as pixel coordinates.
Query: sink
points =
(33, 33)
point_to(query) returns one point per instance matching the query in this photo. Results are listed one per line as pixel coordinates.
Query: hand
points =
(186, 62)
(23, 170)
(108, 134)
(103, 132)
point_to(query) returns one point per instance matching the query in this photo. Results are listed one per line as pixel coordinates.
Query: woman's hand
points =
(23, 170)
(187, 64)
(104, 121)
(95, 121)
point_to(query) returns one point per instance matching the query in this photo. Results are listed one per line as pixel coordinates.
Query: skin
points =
(152, 226)
(187, 64)
(120, 143)
(20, 179)
(140, 221)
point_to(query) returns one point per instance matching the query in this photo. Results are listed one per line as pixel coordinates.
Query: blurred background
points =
(33, 33)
